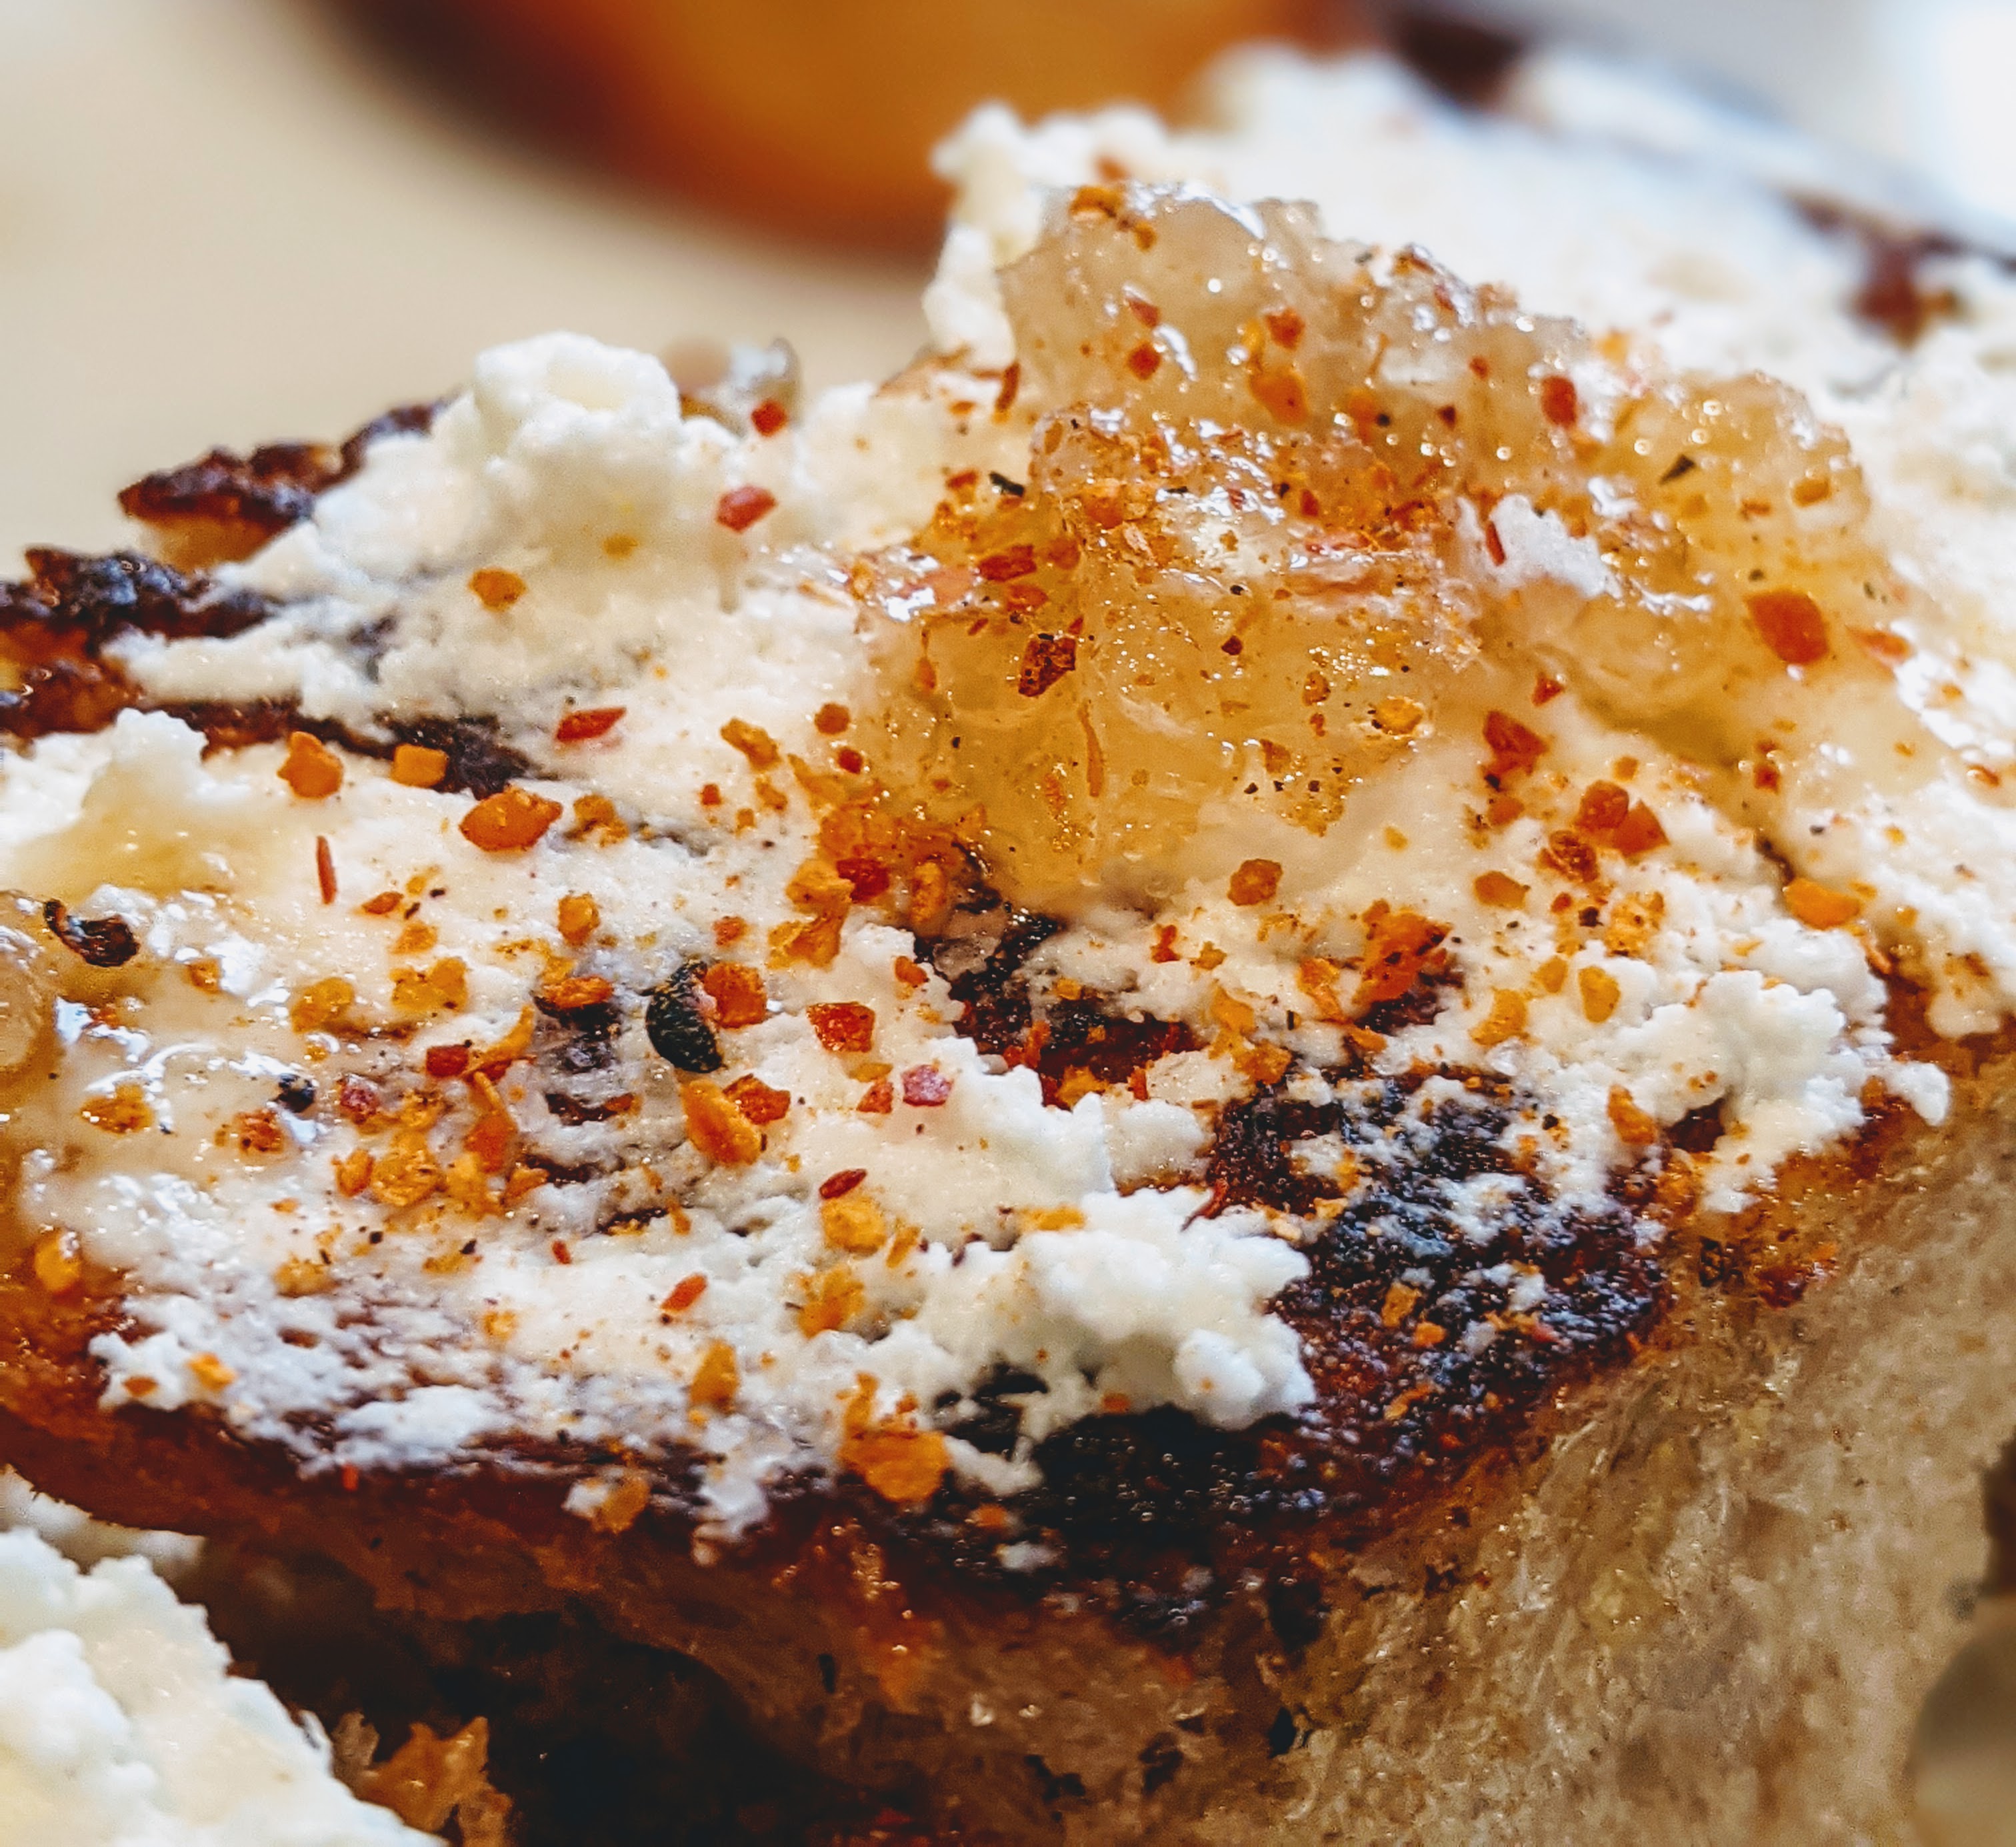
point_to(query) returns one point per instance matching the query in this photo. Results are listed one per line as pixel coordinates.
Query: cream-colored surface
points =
(220, 222)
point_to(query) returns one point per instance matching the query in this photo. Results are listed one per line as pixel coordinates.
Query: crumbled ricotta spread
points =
(647, 1098)
(121, 1724)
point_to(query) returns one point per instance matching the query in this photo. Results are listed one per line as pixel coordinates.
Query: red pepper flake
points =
(1791, 625)
(833, 1185)
(753, 742)
(1144, 361)
(831, 721)
(1285, 326)
(1011, 383)
(1545, 686)
(508, 820)
(349, 1478)
(496, 590)
(325, 870)
(740, 507)
(1254, 881)
(739, 994)
(1515, 748)
(685, 1292)
(570, 993)
(1010, 562)
(768, 417)
(1493, 544)
(925, 1087)
(1603, 808)
(1164, 946)
(850, 760)
(1045, 661)
(843, 1026)
(1559, 402)
(1399, 945)
(1639, 831)
(758, 1101)
(561, 1253)
(710, 795)
(578, 727)
(879, 1100)
(447, 1061)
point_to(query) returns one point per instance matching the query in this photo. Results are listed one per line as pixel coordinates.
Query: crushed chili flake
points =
(570, 993)
(925, 1087)
(740, 507)
(1546, 688)
(718, 1379)
(1515, 749)
(1791, 625)
(1254, 882)
(1145, 361)
(592, 722)
(768, 417)
(325, 870)
(878, 1099)
(753, 742)
(717, 1128)
(852, 1221)
(845, 1181)
(1164, 948)
(1045, 661)
(758, 1101)
(579, 917)
(1011, 383)
(684, 1293)
(908, 973)
(1600, 994)
(381, 904)
(831, 720)
(1500, 889)
(834, 1298)
(320, 1003)
(843, 1026)
(447, 1061)
(58, 1263)
(417, 767)
(510, 821)
(1400, 945)
(903, 1466)
(209, 1371)
(1559, 402)
(1634, 1128)
(738, 992)
(710, 795)
(1603, 808)
(1639, 831)
(496, 590)
(1819, 907)
(312, 770)
(1507, 1019)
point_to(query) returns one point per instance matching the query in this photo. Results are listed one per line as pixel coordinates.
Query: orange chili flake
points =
(1600, 994)
(879, 1099)
(1819, 907)
(1515, 748)
(930, 897)
(685, 1292)
(903, 1466)
(710, 795)
(1639, 831)
(852, 1221)
(758, 1101)
(1008, 563)
(447, 1061)
(1552, 975)
(320, 1002)
(1603, 808)
(1398, 1305)
(1559, 402)
(1547, 687)
(59, 1262)
(753, 742)
(312, 770)
(510, 821)
(718, 1378)
(768, 417)
(908, 973)
(590, 722)
(496, 590)
(1164, 947)
(209, 1371)
(1254, 881)
(740, 507)
(1279, 390)
(718, 1129)
(835, 1298)
(380, 904)
(417, 767)
(1398, 947)
(738, 993)
(325, 870)
(1634, 1128)
(579, 917)
(1285, 327)
(1499, 888)
(570, 993)
(1791, 625)
(1144, 361)
(1506, 1021)
(1045, 661)
(830, 720)
(843, 1026)
(1011, 383)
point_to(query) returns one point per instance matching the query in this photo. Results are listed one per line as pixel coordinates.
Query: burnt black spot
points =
(1296, 1608)
(1698, 1130)
(1463, 58)
(1160, 1758)
(829, 1674)
(1282, 1736)
(1056, 1787)
(981, 960)
(479, 762)
(679, 1030)
(572, 1111)
(104, 942)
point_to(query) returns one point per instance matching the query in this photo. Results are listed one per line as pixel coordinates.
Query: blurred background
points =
(226, 221)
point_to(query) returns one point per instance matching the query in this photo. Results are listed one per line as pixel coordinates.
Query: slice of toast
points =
(1201, 1107)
